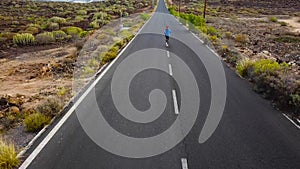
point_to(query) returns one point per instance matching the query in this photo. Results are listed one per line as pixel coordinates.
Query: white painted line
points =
(175, 102)
(291, 120)
(211, 50)
(39, 148)
(21, 153)
(170, 70)
(168, 53)
(184, 163)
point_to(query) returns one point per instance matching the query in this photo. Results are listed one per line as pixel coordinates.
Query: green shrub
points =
(267, 66)
(273, 19)
(8, 155)
(125, 33)
(88, 70)
(244, 66)
(109, 56)
(295, 100)
(83, 33)
(228, 35)
(287, 39)
(59, 35)
(23, 39)
(53, 26)
(94, 24)
(50, 107)
(8, 35)
(45, 38)
(144, 16)
(35, 122)
(283, 23)
(241, 38)
(93, 63)
(101, 16)
(212, 31)
(213, 38)
(58, 20)
(82, 12)
(79, 18)
(73, 31)
(203, 29)
(32, 30)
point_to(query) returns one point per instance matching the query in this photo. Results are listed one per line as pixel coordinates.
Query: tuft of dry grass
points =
(8, 155)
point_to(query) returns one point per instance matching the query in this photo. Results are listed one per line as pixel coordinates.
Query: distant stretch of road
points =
(250, 134)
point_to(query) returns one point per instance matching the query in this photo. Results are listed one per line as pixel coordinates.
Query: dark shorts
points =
(167, 37)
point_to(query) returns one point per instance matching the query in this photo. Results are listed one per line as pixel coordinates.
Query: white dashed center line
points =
(170, 70)
(184, 163)
(175, 102)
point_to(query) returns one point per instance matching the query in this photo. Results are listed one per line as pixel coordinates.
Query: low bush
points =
(58, 20)
(45, 38)
(82, 12)
(101, 16)
(93, 63)
(250, 68)
(88, 70)
(79, 18)
(287, 39)
(59, 35)
(35, 122)
(243, 67)
(242, 38)
(94, 24)
(73, 31)
(109, 56)
(283, 23)
(212, 31)
(295, 101)
(144, 16)
(8, 35)
(228, 35)
(267, 66)
(53, 26)
(32, 30)
(8, 155)
(273, 19)
(50, 107)
(213, 38)
(23, 39)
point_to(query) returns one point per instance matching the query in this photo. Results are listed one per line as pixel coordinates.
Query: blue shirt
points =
(168, 32)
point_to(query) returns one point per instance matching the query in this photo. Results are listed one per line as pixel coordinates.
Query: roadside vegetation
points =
(34, 23)
(255, 41)
(41, 42)
(8, 155)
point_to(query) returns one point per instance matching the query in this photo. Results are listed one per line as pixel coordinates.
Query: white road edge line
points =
(175, 102)
(170, 69)
(168, 53)
(184, 163)
(39, 148)
(291, 120)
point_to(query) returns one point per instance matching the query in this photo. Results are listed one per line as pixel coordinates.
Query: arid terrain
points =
(37, 78)
(246, 32)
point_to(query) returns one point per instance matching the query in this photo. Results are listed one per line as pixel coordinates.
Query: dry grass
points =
(8, 155)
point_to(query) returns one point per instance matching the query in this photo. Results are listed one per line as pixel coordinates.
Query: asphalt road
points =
(250, 134)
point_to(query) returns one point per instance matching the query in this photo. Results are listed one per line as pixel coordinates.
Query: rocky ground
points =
(28, 79)
(257, 29)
